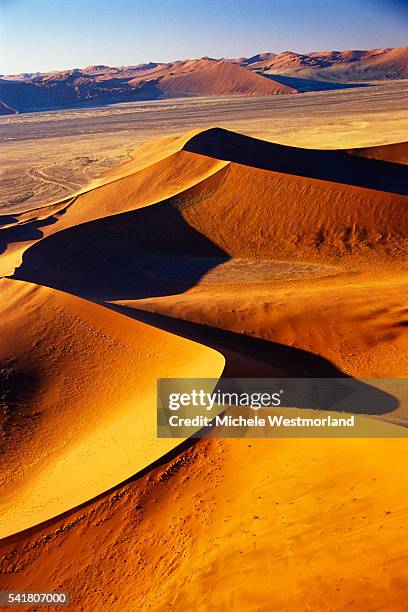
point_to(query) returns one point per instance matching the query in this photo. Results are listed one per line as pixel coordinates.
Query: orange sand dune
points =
(331, 165)
(352, 65)
(104, 85)
(295, 217)
(285, 261)
(156, 182)
(234, 525)
(146, 155)
(80, 385)
(306, 210)
(357, 323)
(157, 257)
(396, 153)
(212, 77)
(132, 186)
(360, 211)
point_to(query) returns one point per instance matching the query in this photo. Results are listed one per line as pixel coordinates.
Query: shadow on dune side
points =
(271, 358)
(6, 219)
(249, 357)
(108, 259)
(24, 232)
(336, 166)
(227, 343)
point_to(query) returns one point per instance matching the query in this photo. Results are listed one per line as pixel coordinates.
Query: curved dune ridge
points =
(79, 385)
(158, 173)
(332, 203)
(207, 249)
(210, 523)
(396, 153)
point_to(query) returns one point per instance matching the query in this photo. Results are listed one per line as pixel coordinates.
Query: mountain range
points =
(263, 74)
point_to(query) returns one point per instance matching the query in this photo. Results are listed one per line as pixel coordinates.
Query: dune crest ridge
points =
(80, 384)
(207, 254)
(313, 205)
(159, 172)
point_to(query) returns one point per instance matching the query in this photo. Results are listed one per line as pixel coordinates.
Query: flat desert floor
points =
(236, 238)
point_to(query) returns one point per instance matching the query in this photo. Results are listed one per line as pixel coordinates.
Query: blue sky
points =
(56, 34)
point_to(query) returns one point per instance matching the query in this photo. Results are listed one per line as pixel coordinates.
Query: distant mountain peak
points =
(262, 74)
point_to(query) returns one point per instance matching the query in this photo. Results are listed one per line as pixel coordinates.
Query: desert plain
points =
(211, 237)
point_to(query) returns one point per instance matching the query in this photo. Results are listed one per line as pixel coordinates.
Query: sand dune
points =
(295, 219)
(336, 165)
(280, 261)
(116, 192)
(79, 385)
(345, 66)
(105, 85)
(153, 250)
(315, 206)
(211, 77)
(355, 322)
(234, 524)
(253, 76)
(396, 153)
(159, 181)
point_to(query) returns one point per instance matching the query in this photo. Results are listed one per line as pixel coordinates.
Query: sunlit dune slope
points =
(271, 204)
(254, 213)
(78, 388)
(396, 153)
(171, 238)
(224, 195)
(158, 181)
(104, 85)
(146, 155)
(157, 174)
(234, 525)
(356, 322)
(212, 77)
